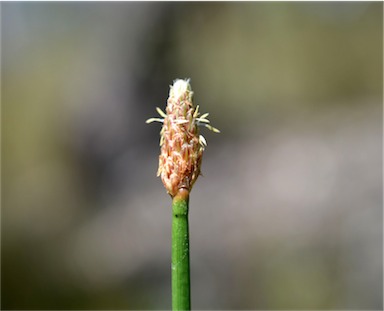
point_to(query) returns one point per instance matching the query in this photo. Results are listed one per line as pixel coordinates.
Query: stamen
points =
(202, 120)
(161, 112)
(202, 140)
(154, 120)
(213, 129)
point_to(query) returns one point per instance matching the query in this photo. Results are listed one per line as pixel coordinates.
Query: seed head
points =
(181, 144)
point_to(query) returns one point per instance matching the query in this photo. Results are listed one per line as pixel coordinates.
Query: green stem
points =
(181, 299)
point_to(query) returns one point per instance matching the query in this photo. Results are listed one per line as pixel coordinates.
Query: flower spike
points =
(181, 144)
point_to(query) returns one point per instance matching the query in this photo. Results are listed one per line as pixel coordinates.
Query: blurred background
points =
(288, 214)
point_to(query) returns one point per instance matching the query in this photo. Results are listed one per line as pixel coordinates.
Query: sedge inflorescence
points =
(181, 144)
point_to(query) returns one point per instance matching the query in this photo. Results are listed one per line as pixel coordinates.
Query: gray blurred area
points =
(288, 213)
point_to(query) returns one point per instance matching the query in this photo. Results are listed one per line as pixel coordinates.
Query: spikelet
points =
(181, 144)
